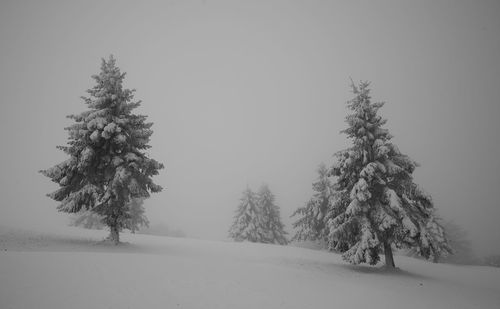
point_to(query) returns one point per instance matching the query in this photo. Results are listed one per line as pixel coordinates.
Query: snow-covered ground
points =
(72, 268)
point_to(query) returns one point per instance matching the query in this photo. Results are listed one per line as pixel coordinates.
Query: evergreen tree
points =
(491, 260)
(445, 244)
(372, 205)
(377, 205)
(248, 223)
(108, 164)
(88, 220)
(460, 243)
(270, 213)
(439, 246)
(311, 221)
(136, 217)
(91, 220)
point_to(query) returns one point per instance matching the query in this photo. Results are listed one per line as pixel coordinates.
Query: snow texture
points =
(72, 268)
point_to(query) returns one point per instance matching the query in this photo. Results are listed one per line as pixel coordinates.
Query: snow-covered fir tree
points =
(378, 206)
(439, 246)
(91, 220)
(460, 243)
(136, 213)
(107, 164)
(248, 222)
(372, 203)
(270, 213)
(87, 219)
(444, 244)
(310, 224)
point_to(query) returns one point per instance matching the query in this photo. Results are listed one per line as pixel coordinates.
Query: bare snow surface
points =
(73, 268)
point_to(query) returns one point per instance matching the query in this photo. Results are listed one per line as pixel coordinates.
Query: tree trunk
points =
(389, 259)
(114, 235)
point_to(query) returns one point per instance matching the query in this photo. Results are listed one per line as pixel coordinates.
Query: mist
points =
(246, 93)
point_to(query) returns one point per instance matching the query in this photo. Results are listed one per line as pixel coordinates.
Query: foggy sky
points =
(245, 93)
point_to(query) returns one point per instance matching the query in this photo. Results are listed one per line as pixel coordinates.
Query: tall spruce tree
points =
(270, 213)
(248, 223)
(378, 205)
(372, 203)
(108, 164)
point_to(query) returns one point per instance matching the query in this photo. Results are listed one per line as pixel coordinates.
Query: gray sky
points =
(251, 92)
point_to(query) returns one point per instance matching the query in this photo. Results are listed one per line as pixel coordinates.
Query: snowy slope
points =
(71, 268)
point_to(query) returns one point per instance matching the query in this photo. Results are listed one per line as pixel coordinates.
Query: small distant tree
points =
(162, 229)
(311, 221)
(270, 212)
(108, 165)
(439, 243)
(458, 239)
(88, 220)
(135, 213)
(248, 223)
(491, 260)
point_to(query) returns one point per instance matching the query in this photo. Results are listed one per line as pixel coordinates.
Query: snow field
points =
(72, 268)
